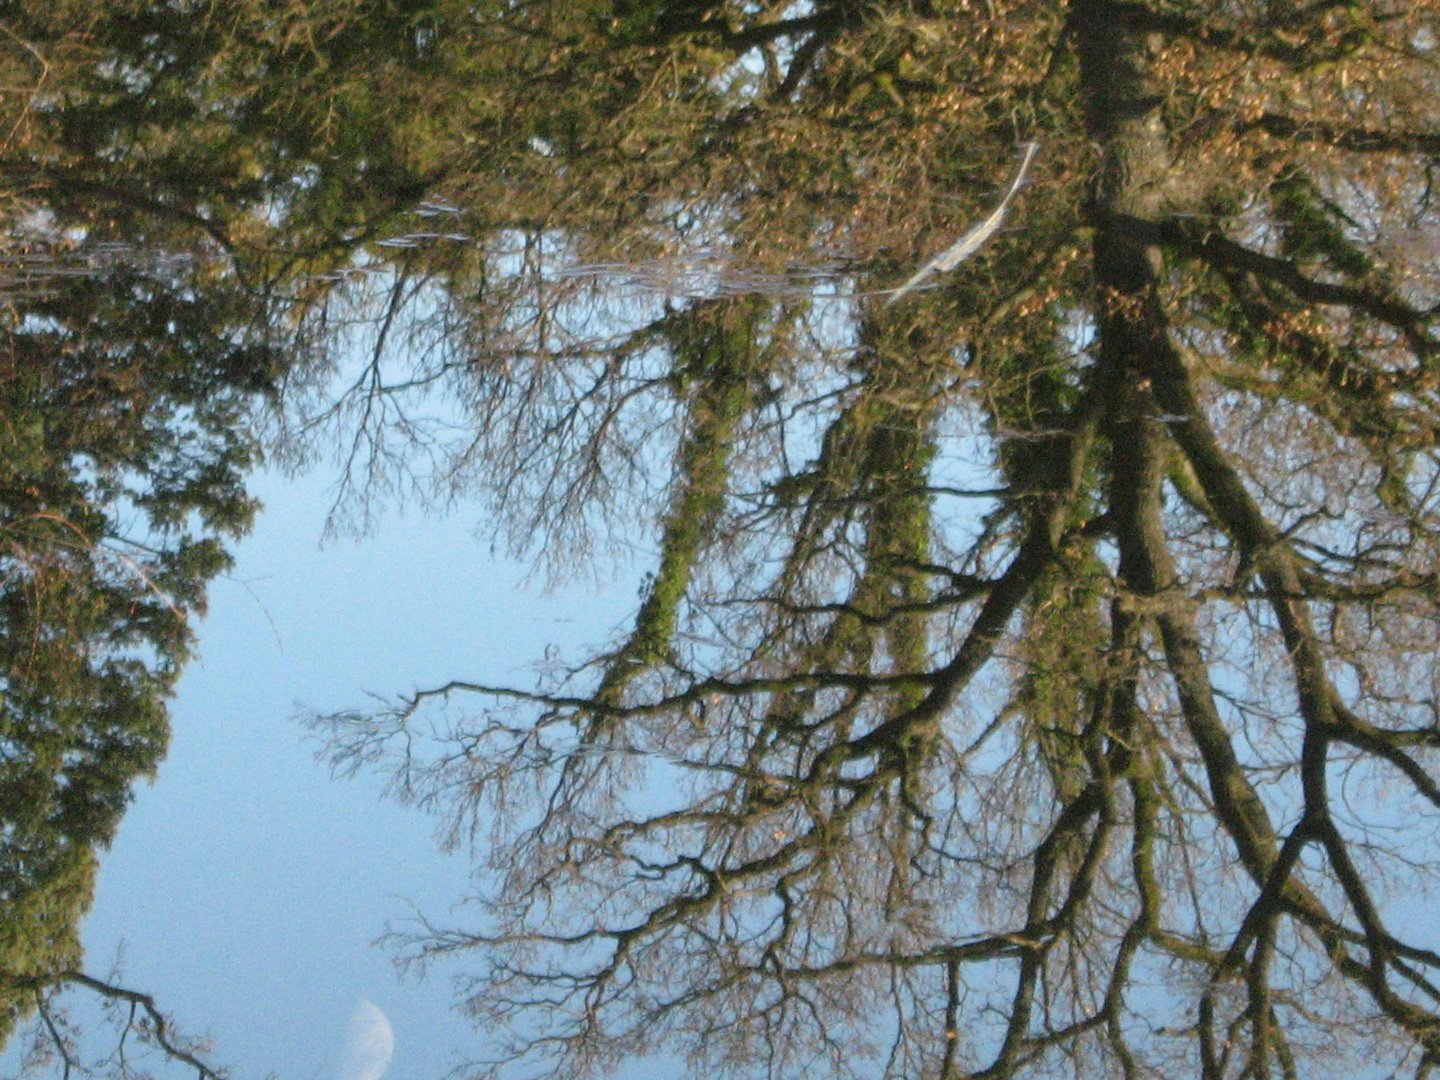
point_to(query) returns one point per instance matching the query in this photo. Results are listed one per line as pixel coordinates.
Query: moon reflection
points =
(369, 1044)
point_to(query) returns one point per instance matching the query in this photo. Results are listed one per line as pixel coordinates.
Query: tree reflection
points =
(135, 362)
(121, 468)
(1034, 674)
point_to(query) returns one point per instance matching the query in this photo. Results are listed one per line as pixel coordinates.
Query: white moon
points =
(369, 1045)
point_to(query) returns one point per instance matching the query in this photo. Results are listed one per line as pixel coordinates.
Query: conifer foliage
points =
(130, 370)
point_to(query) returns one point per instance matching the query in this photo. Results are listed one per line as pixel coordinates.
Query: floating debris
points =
(708, 274)
(973, 240)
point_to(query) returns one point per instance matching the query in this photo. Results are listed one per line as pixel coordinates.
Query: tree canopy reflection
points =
(1032, 672)
(1035, 675)
(140, 349)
